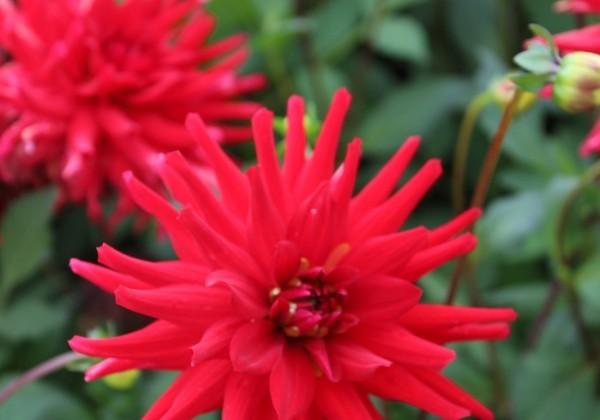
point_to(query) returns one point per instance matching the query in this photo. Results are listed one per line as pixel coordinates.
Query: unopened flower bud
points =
(577, 82)
(122, 381)
(502, 91)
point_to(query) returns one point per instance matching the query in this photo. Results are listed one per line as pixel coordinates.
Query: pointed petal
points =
(384, 182)
(398, 383)
(381, 299)
(107, 280)
(429, 259)
(292, 383)
(232, 182)
(264, 140)
(344, 401)
(250, 299)
(295, 142)
(182, 305)
(214, 343)
(159, 341)
(320, 165)
(247, 397)
(256, 347)
(317, 349)
(196, 391)
(387, 253)
(389, 216)
(357, 362)
(401, 346)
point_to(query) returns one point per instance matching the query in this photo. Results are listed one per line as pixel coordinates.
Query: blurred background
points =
(413, 67)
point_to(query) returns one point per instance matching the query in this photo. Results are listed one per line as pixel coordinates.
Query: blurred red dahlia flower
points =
(577, 6)
(292, 298)
(95, 87)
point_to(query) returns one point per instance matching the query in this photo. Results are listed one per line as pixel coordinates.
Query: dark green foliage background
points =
(412, 67)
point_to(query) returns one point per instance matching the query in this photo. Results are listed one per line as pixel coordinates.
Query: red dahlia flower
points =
(292, 298)
(577, 6)
(96, 87)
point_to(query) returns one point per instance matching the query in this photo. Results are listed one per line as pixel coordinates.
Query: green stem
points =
(564, 262)
(39, 371)
(462, 148)
(483, 183)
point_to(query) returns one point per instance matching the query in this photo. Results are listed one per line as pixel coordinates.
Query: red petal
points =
(344, 401)
(381, 299)
(292, 383)
(357, 362)
(430, 259)
(286, 261)
(451, 391)
(384, 182)
(215, 341)
(184, 305)
(232, 182)
(389, 216)
(153, 273)
(247, 398)
(107, 280)
(264, 140)
(387, 253)
(317, 349)
(401, 346)
(196, 391)
(396, 383)
(159, 341)
(295, 141)
(256, 347)
(249, 298)
(320, 165)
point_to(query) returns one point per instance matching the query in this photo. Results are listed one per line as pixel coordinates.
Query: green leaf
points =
(537, 58)
(40, 401)
(401, 37)
(540, 31)
(26, 237)
(509, 225)
(408, 110)
(30, 318)
(531, 82)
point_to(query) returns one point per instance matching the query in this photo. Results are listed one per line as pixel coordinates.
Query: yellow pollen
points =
(275, 291)
(304, 264)
(292, 331)
(336, 255)
(293, 308)
(295, 282)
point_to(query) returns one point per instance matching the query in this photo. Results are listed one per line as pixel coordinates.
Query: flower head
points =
(577, 84)
(291, 297)
(577, 6)
(96, 87)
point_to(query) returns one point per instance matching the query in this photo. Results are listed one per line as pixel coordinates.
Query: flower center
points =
(309, 306)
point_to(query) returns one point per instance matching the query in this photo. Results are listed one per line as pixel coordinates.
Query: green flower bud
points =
(502, 91)
(122, 381)
(577, 82)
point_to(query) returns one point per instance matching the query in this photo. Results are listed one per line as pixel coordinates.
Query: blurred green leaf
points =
(40, 401)
(401, 37)
(587, 279)
(540, 31)
(508, 224)
(531, 82)
(536, 59)
(30, 318)
(410, 110)
(26, 237)
(334, 23)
